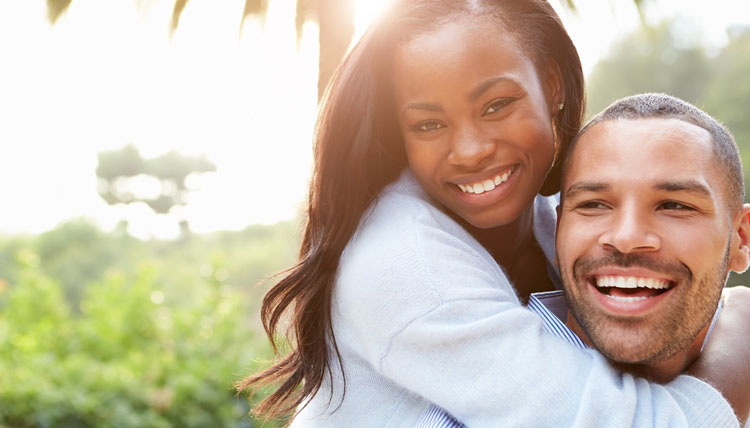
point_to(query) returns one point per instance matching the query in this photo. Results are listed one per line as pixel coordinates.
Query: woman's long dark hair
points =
(358, 151)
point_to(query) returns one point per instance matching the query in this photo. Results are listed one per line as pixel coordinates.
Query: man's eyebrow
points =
(487, 84)
(691, 186)
(586, 186)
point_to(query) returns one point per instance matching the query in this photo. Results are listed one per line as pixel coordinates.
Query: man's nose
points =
(471, 147)
(630, 232)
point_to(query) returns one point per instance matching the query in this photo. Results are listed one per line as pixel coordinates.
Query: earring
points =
(560, 106)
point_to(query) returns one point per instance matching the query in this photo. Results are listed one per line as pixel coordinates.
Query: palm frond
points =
(254, 7)
(179, 6)
(306, 11)
(570, 4)
(55, 8)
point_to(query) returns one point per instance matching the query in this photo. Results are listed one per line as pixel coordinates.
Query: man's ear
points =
(739, 256)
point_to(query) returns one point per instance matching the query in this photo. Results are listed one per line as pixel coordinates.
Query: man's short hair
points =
(663, 106)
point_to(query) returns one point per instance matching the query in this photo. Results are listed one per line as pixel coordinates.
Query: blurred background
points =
(154, 159)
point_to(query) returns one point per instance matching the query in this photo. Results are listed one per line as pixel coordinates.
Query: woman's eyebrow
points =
(422, 106)
(487, 84)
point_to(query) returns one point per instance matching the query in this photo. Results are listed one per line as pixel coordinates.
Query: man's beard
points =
(665, 333)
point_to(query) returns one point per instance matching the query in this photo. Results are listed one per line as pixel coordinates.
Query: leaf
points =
(254, 7)
(571, 4)
(306, 11)
(55, 8)
(179, 6)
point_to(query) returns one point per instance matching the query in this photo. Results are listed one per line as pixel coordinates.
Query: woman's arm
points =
(721, 364)
(430, 310)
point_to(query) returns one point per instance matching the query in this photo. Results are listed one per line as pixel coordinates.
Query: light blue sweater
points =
(422, 314)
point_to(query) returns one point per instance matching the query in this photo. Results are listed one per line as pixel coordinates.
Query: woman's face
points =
(476, 119)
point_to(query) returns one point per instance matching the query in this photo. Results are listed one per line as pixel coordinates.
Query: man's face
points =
(645, 236)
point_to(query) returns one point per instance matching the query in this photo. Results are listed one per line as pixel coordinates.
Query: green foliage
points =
(728, 93)
(131, 359)
(663, 58)
(155, 334)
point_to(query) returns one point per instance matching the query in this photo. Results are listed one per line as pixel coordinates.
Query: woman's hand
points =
(725, 361)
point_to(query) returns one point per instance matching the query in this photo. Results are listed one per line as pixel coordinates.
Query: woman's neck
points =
(505, 242)
(514, 247)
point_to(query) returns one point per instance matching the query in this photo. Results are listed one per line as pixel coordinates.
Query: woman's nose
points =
(470, 147)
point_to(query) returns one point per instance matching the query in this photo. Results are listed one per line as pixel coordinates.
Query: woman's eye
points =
(427, 126)
(497, 105)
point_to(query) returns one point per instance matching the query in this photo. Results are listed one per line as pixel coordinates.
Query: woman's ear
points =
(739, 256)
(554, 88)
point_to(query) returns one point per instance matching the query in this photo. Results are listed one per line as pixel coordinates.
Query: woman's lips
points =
(508, 177)
(487, 185)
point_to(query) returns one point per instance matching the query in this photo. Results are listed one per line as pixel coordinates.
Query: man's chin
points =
(629, 349)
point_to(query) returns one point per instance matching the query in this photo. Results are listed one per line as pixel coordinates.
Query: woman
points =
(435, 137)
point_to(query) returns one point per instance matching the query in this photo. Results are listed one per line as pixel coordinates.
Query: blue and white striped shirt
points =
(552, 307)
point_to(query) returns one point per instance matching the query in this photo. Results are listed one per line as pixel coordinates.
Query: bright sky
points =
(108, 74)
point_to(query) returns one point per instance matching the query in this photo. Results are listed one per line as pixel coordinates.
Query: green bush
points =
(137, 354)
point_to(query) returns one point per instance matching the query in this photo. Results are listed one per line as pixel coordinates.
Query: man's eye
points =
(672, 205)
(427, 126)
(592, 205)
(497, 105)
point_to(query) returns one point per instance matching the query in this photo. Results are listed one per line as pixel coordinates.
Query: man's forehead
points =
(641, 149)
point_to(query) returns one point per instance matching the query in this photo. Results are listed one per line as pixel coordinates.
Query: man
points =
(650, 223)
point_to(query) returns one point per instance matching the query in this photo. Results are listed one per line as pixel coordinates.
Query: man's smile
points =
(630, 288)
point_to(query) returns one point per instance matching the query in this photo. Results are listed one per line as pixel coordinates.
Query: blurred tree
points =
(121, 171)
(728, 95)
(661, 58)
(335, 20)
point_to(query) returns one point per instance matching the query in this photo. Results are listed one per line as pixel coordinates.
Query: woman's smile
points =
(488, 184)
(482, 194)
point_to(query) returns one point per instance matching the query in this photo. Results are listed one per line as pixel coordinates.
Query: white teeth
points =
(631, 282)
(627, 299)
(486, 185)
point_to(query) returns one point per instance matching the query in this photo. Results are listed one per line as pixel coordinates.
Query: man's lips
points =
(629, 291)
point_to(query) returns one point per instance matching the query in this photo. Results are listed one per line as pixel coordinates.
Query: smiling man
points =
(651, 222)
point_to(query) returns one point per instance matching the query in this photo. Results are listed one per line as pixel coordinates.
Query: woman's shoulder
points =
(406, 244)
